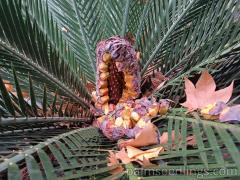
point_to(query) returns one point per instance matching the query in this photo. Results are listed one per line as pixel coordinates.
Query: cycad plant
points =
(48, 71)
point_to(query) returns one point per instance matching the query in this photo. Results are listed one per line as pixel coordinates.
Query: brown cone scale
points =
(116, 83)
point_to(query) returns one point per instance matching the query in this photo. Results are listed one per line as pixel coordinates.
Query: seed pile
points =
(120, 112)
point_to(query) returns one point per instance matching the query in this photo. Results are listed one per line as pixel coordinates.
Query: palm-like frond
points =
(112, 17)
(22, 107)
(184, 40)
(38, 85)
(216, 148)
(216, 145)
(59, 157)
(82, 29)
(87, 22)
(38, 11)
(47, 58)
(27, 48)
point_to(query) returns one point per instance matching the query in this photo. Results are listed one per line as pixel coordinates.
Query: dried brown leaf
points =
(135, 153)
(123, 156)
(147, 136)
(114, 161)
(204, 93)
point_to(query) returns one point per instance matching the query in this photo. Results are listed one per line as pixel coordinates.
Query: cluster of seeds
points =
(130, 117)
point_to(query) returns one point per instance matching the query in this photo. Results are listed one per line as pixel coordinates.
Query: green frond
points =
(216, 148)
(112, 17)
(47, 58)
(18, 109)
(214, 141)
(29, 51)
(39, 12)
(80, 21)
(125, 18)
(188, 40)
(63, 151)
